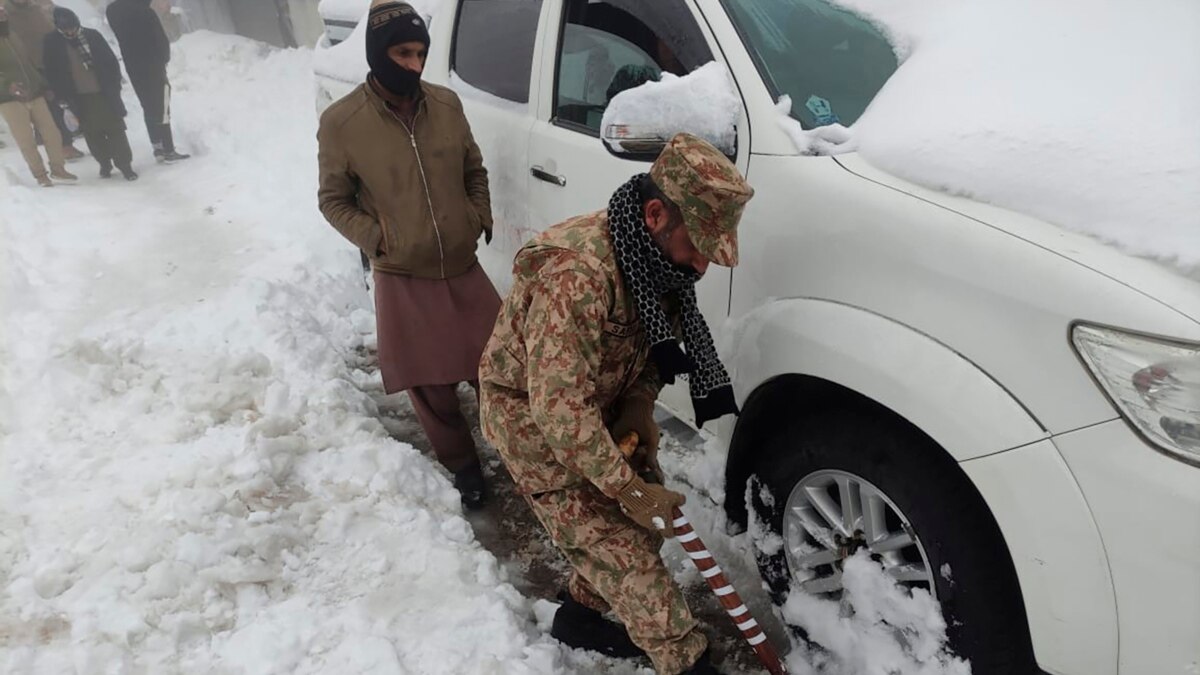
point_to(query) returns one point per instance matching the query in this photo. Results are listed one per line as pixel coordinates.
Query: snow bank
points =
(195, 476)
(1081, 113)
(702, 102)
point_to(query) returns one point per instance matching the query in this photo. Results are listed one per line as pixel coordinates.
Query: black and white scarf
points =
(649, 274)
(79, 42)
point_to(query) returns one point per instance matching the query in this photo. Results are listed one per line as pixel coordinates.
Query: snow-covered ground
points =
(195, 475)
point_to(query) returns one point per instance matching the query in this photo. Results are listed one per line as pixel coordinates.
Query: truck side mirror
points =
(639, 122)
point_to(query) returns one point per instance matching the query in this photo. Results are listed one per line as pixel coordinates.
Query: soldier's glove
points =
(650, 505)
(637, 415)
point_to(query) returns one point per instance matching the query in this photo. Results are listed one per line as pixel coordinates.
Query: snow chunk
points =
(831, 139)
(703, 102)
(878, 627)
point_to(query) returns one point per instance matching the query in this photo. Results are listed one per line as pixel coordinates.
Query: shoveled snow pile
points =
(704, 102)
(1082, 113)
(195, 478)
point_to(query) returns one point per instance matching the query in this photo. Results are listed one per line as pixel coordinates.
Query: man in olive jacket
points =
(23, 107)
(402, 178)
(29, 21)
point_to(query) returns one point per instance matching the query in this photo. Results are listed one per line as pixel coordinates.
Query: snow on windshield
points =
(1081, 113)
(702, 102)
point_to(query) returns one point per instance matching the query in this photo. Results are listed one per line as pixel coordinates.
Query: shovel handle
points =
(700, 556)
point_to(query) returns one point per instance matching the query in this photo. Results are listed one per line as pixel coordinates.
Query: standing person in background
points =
(83, 69)
(30, 22)
(146, 51)
(24, 108)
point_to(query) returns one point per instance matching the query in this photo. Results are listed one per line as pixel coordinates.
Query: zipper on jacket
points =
(412, 136)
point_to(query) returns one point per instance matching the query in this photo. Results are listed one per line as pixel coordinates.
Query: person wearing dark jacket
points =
(82, 68)
(146, 51)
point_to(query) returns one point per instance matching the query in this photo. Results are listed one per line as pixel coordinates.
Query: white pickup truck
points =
(1003, 413)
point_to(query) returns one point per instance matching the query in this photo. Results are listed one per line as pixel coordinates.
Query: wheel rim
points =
(831, 515)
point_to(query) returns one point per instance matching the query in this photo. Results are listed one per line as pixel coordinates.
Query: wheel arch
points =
(805, 354)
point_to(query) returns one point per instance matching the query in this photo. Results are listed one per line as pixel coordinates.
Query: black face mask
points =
(396, 78)
(3, 28)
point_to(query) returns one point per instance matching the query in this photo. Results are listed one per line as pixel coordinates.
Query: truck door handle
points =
(541, 174)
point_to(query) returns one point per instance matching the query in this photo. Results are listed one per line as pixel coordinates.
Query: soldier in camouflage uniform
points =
(581, 349)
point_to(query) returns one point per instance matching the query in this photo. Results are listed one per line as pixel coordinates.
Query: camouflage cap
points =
(709, 191)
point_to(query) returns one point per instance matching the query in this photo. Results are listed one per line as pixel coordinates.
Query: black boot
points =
(702, 666)
(469, 483)
(106, 169)
(582, 627)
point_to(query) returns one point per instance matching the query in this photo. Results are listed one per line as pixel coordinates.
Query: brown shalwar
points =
(431, 335)
(441, 417)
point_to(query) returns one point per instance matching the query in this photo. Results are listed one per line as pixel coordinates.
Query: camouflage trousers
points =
(618, 567)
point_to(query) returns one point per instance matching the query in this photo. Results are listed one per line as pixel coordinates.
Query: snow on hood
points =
(1083, 114)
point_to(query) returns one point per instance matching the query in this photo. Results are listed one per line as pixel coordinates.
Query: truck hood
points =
(1176, 288)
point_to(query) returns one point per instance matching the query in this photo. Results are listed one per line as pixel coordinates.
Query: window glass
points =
(493, 45)
(609, 46)
(828, 60)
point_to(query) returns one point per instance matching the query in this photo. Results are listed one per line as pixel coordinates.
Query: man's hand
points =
(17, 89)
(650, 505)
(637, 415)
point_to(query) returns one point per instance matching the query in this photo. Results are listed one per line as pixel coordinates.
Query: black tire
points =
(982, 606)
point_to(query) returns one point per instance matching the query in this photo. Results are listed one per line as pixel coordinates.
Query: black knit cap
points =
(65, 19)
(391, 23)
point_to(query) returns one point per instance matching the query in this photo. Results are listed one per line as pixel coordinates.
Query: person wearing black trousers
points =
(146, 51)
(82, 68)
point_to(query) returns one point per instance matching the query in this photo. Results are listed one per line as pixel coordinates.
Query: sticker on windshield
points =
(821, 110)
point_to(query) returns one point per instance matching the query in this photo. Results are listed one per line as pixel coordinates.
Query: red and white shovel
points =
(712, 573)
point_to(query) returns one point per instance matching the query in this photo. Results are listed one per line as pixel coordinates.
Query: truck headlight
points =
(1154, 383)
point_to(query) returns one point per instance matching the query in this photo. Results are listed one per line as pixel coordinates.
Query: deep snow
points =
(197, 478)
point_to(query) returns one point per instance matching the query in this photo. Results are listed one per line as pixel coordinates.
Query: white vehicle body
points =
(954, 314)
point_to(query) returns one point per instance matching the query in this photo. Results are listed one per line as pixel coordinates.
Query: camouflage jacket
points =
(567, 347)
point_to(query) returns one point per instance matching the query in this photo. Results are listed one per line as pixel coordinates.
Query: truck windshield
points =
(829, 61)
